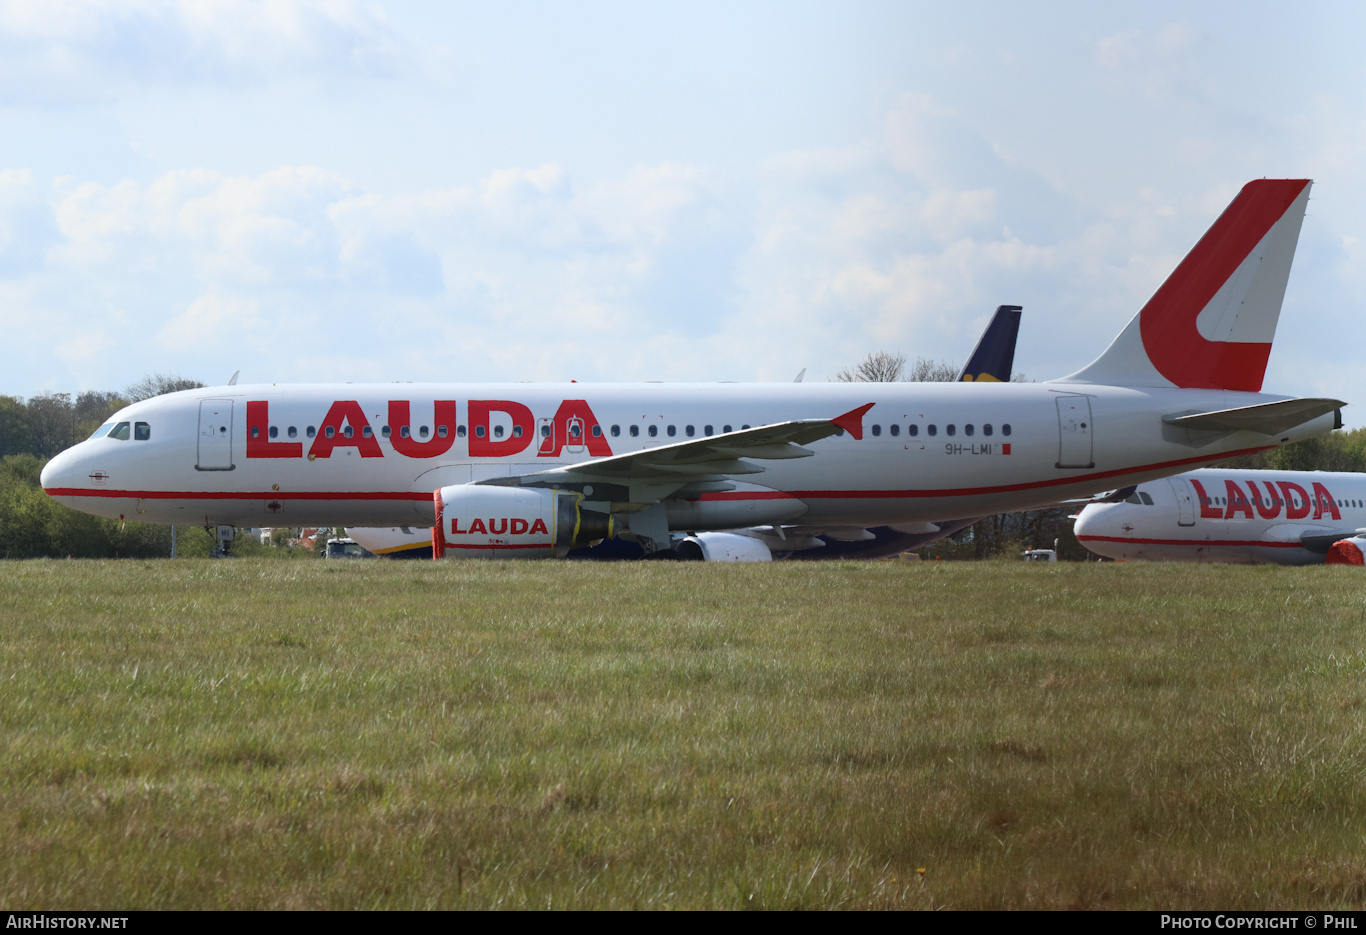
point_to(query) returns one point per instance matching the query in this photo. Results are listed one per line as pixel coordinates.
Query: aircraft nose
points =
(62, 473)
(1086, 521)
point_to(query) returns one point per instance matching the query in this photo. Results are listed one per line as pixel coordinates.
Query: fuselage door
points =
(547, 430)
(574, 443)
(1185, 501)
(215, 435)
(1074, 432)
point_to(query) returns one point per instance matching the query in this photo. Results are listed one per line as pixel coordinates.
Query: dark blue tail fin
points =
(994, 354)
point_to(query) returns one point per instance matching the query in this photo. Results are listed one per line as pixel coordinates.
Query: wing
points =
(695, 466)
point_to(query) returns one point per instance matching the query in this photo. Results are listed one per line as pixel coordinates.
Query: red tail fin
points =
(1210, 325)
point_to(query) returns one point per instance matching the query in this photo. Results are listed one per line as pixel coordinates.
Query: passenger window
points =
(726, 429)
(597, 431)
(497, 431)
(1005, 429)
(967, 429)
(672, 431)
(120, 432)
(743, 427)
(877, 430)
(348, 431)
(441, 431)
(256, 431)
(951, 429)
(616, 431)
(459, 431)
(931, 430)
(635, 430)
(384, 431)
(422, 431)
(706, 430)
(331, 431)
(274, 432)
(294, 433)
(403, 432)
(367, 432)
(478, 431)
(545, 431)
(894, 429)
(142, 431)
(516, 431)
(312, 431)
(688, 431)
(574, 430)
(986, 430)
(653, 430)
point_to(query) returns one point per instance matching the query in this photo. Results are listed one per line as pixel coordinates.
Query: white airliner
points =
(1223, 515)
(523, 470)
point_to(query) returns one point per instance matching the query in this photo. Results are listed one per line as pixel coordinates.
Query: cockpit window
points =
(120, 432)
(1133, 498)
(102, 431)
(1147, 498)
(142, 431)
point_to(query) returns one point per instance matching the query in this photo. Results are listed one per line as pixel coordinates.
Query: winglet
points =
(852, 421)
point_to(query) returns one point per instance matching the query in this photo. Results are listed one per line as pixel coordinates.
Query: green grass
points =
(242, 734)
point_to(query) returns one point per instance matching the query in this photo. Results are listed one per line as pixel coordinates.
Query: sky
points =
(326, 190)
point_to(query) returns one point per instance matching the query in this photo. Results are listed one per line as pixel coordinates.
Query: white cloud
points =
(215, 320)
(85, 49)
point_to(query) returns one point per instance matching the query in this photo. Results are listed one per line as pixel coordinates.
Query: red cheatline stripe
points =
(1008, 488)
(241, 495)
(1193, 542)
(737, 495)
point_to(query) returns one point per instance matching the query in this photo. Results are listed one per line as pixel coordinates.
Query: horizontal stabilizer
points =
(1267, 418)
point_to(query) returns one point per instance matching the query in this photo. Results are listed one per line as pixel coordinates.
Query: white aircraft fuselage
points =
(1228, 515)
(976, 449)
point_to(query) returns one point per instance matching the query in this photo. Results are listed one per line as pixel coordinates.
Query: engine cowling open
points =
(476, 521)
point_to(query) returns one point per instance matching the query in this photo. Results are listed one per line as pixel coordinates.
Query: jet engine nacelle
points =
(1347, 552)
(721, 547)
(476, 521)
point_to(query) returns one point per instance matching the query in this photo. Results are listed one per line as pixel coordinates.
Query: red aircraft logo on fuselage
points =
(345, 426)
(1283, 498)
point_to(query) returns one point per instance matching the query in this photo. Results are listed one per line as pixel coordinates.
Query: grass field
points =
(254, 733)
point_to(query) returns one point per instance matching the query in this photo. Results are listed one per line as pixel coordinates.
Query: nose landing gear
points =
(223, 536)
